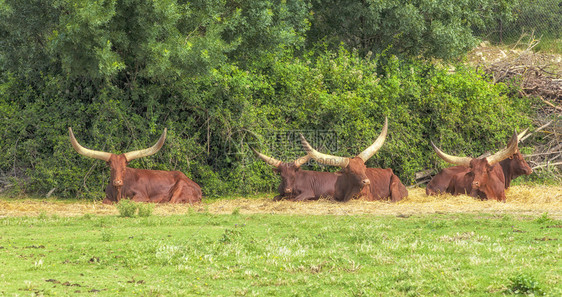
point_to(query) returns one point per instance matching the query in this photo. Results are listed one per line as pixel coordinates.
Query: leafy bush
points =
(127, 208)
(442, 29)
(543, 219)
(145, 209)
(213, 119)
(525, 284)
(542, 16)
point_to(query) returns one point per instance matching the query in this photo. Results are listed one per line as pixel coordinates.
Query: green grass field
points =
(237, 254)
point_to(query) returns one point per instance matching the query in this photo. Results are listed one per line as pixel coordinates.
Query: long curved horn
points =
(130, 156)
(503, 154)
(300, 161)
(324, 158)
(463, 161)
(521, 135)
(269, 160)
(87, 152)
(370, 151)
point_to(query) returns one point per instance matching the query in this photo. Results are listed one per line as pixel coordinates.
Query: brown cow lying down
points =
(142, 184)
(356, 179)
(300, 185)
(512, 167)
(478, 177)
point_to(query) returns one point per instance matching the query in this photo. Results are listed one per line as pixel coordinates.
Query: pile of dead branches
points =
(534, 74)
(547, 143)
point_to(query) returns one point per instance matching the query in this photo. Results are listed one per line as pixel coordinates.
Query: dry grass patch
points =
(523, 200)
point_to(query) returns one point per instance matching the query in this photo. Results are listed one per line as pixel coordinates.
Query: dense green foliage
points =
(221, 75)
(544, 17)
(437, 28)
(207, 140)
(279, 255)
(524, 22)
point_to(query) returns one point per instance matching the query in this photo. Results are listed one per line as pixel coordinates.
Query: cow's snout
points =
(475, 184)
(365, 181)
(118, 182)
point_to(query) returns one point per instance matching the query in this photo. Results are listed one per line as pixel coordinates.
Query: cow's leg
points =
(107, 201)
(499, 190)
(278, 198)
(304, 196)
(110, 195)
(140, 198)
(429, 191)
(178, 194)
(397, 189)
(184, 192)
(501, 197)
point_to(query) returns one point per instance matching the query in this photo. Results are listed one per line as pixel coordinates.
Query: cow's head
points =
(517, 163)
(480, 168)
(116, 163)
(354, 175)
(287, 171)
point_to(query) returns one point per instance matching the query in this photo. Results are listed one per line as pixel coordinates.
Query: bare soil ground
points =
(521, 200)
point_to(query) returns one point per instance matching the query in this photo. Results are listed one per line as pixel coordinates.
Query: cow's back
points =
(383, 184)
(440, 182)
(320, 184)
(160, 186)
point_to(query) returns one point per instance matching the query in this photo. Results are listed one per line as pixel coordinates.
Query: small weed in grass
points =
(103, 222)
(42, 215)
(106, 235)
(230, 236)
(543, 219)
(28, 286)
(38, 264)
(236, 211)
(145, 209)
(127, 208)
(525, 284)
(87, 216)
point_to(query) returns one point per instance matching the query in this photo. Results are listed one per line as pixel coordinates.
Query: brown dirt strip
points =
(521, 200)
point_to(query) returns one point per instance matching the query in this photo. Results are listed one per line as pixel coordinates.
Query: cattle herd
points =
(482, 177)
